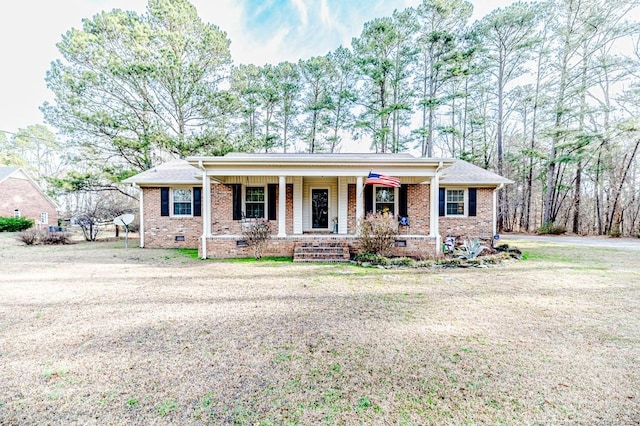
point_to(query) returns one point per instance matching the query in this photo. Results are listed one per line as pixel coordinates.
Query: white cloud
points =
(304, 13)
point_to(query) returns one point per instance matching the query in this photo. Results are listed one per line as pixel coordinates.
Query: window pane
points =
(255, 195)
(455, 202)
(385, 208)
(455, 196)
(255, 210)
(182, 202)
(182, 208)
(181, 195)
(254, 202)
(385, 195)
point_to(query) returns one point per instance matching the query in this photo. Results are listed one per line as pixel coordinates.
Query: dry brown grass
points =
(95, 334)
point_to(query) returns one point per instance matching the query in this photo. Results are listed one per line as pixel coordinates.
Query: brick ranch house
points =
(20, 196)
(312, 200)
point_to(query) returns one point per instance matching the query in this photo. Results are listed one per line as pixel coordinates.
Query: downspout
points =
(495, 211)
(434, 222)
(205, 212)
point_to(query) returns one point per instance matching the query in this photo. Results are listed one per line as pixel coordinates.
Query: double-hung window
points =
(182, 202)
(44, 218)
(455, 202)
(254, 202)
(384, 199)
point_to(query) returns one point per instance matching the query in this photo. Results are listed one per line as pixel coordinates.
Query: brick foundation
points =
(227, 246)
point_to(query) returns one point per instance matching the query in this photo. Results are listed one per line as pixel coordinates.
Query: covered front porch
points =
(315, 200)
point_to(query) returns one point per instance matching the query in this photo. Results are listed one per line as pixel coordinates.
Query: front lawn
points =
(93, 333)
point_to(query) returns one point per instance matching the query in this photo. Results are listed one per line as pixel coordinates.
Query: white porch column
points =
(205, 206)
(343, 204)
(297, 205)
(435, 213)
(359, 200)
(282, 206)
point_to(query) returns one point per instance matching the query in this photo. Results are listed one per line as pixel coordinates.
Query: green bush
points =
(14, 224)
(373, 258)
(548, 228)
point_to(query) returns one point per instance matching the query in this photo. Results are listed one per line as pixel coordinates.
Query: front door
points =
(320, 208)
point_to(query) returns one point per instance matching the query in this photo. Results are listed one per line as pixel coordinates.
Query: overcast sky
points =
(261, 31)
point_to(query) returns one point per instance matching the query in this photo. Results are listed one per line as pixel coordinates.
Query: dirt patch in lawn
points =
(95, 334)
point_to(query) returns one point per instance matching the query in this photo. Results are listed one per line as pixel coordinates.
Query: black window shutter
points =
(441, 201)
(164, 201)
(272, 189)
(197, 201)
(236, 191)
(402, 202)
(472, 201)
(368, 199)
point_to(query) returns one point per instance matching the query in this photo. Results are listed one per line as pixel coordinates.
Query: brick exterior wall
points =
(22, 194)
(161, 231)
(480, 225)
(418, 199)
(351, 209)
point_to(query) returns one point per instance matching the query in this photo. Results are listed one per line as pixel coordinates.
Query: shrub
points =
(30, 236)
(377, 233)
(256, 235)
(34, 236)
(548, 228)
(14, 224)
(470, 249)
(55, 238)
(372, 258)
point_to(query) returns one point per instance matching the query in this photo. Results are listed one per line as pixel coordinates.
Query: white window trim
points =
(171, 203)
(329, 216)
(44, 215)
(465, 200)
(395, 198)
(17, 213)
(266, 200)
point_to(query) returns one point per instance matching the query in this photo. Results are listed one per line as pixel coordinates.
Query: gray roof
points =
(172, 172)
(181, 172)
(5, 172)
(464, 173)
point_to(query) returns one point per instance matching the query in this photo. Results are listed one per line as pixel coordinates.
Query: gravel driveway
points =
(621, 243)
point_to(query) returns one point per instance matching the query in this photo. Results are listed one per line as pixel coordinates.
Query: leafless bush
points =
(257, 235)
(55, 238)
(38, 236)
(30, 236)
(377, 233)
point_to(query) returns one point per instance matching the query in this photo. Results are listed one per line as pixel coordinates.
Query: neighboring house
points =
(20, 196)
(312, 200)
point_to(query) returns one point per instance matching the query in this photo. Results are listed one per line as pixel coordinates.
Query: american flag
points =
(384, 180)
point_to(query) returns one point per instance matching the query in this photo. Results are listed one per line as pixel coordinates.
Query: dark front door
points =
(320, 208)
